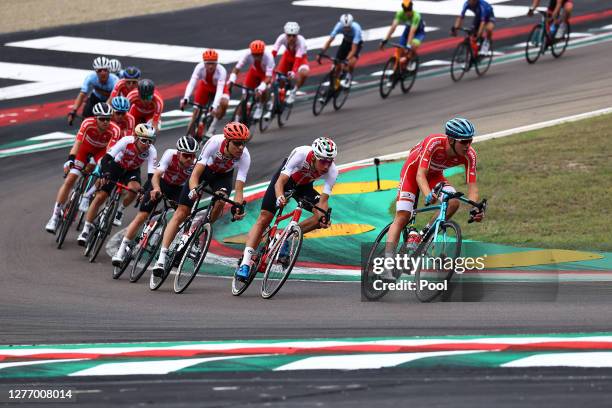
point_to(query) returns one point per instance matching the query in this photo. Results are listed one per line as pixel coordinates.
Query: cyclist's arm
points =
(394, 25)
(327, 44)
(79, 101)
(75, 147)
(481, 28)
(473, 191)
(194, 179)
(159, 108)
(535, 4)
(353, 52)
(193, 81)
(557, 10)
(411, 34)
(151, 161)
(156, 179)
(239, 189)
(220, 87)
(422, 182)
(279, 187)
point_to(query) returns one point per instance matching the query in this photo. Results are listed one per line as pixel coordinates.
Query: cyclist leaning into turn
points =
(215, 167)
(349, 50)
(413, 35)
(294, 62)
(423, 169)
(304, 165)
(484, 22)
(554, 11)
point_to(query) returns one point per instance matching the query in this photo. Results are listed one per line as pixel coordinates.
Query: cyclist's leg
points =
(302, 73)
(220, 182)
(568, 7)
(407, 196)
(353, 61)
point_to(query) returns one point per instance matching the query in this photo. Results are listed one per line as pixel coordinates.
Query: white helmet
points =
(187, 144)
(292, 28)
(101, 63)
(102, 109)
(145, 131)
(324, 148)
(114, 66)
(346, 20)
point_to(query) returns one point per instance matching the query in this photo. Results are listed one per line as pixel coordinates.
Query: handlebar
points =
(334, 60)
(325, 218)
(478, 207)
(398, 45)
(237, 208)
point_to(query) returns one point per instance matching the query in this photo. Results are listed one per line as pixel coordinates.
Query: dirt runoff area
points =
(26, 15)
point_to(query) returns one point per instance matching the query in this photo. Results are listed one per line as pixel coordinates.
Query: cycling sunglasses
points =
(145, 141)
(101, 70)
(238, 144)
(189, 156)
(326, 161)
(291, 35)
(101, 119)
(465, 142)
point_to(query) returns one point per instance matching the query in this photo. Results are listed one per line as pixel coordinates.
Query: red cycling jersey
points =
(144, 111)
(93, 141)
(127, 129)
(122, 88)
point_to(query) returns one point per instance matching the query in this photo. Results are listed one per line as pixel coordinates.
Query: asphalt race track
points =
(51, 296)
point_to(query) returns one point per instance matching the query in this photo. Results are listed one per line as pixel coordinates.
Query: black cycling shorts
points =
(345, 49)
(119, 174)
(302, 191)
(216, 181)
(171, 191)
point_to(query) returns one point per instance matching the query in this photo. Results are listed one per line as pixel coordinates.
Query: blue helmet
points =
(131, 73)
(459, 128)
(120, 104)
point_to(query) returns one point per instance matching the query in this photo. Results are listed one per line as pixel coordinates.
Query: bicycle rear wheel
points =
(461, 61)
(239, 286)
(534, 44)
(269, 107)
(105, 228)
(284, 111)
(387, 78)
(438, 254)
(483, 63)
(277, 272)
(559, 43)
(148, 248)
(321, 97)
(408, 77)
(68, 216)
(341, 95)
(118, 270)
(194, 255)
(192, 130)
(174, 251)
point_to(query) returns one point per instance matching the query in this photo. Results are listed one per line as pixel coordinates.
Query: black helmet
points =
(146, 88)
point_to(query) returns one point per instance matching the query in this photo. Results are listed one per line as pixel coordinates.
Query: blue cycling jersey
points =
(482, 10)
(351, 34)
(92, 84)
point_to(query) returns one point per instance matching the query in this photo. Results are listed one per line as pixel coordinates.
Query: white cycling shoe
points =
(84, 204)
(118, 216)
(51, 226)
(83, 237)
(258, 113)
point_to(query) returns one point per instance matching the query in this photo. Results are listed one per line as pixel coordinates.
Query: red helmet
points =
(210, 56)
(257, 47)
(236, 131)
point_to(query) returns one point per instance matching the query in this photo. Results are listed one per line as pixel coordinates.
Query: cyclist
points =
(412, 37)
(127, 83)
(304, 165)
(146, 103)
(172, 171)
(350, 48)
(484, 21)
(122, 164)
(423, 169)
(90, 142)
(554, 10)
(219, 157)
(114, 66)
(294, 62)
(259, 76)
(122, 117)
(96, 88)
(209, 81)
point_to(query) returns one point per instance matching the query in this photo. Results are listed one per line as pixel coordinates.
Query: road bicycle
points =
(467, 55)
(195, 225)
(541, 38)
(70, 212)
(277, 105)
(245, 111)
(203, 119)
(440, 242)
(394, 72)
(333, 87)
(269, 257)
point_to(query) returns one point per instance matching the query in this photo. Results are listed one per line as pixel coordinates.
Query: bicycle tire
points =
(148, 249)
(284, 111)
(408, 77)
(535, 41)
(191, 130)
(118, 270)
(483, 63)
(460, 62)
(105, 231)
(155, 281)
(341, 95)
(321, 97)
(263, 123)
(188, 276)
(269, 292)
(387, 78)
(239, 286)
(429, 295)
(73, 207)
(564, 41)
(91, 239)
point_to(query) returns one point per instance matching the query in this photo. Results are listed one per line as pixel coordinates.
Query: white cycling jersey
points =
(300, 45)
(301, 170)
(217, 79)
(265, 66)
(126, 155)
(213, 157)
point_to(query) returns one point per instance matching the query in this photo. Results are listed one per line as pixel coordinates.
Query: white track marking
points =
(43, 79)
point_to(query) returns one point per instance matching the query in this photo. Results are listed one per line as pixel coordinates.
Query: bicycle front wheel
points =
(269, 109)
(409, 76)
(438, 253)
(192, 260)
(240, 286)
(341, 95)
(104, 231)
(387, 78)
(559, 44)
(461, 62)
(321, 97)
(534, 44)
(279, 268)
(68, 216)
(483, 62)
(284, 112)
(148, 247)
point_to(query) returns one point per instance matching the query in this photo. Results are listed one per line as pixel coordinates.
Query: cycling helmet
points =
(346, 20)
(114, 66)
(324, 148)
(459, 128)
(236, 131)
(102, 109)
(210, 56)
(257, 47)
(131, 73)
(120, 104)
(292, 28)
(145, 131)
(407, 5)
(101, 63)
(187, 144)
(146, 88)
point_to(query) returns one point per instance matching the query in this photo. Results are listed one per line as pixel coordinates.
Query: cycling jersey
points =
(92, 84)
(127, 129)
(293, 58)
(207, 83)
(352, 34)
(258, 70)
(301, 169)
(170, 166)
(553, 4)
(90, 134)
(213, 157)
(414, 21)
(482, 11)
(126, 155)
(144, 111)
(121, 88)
